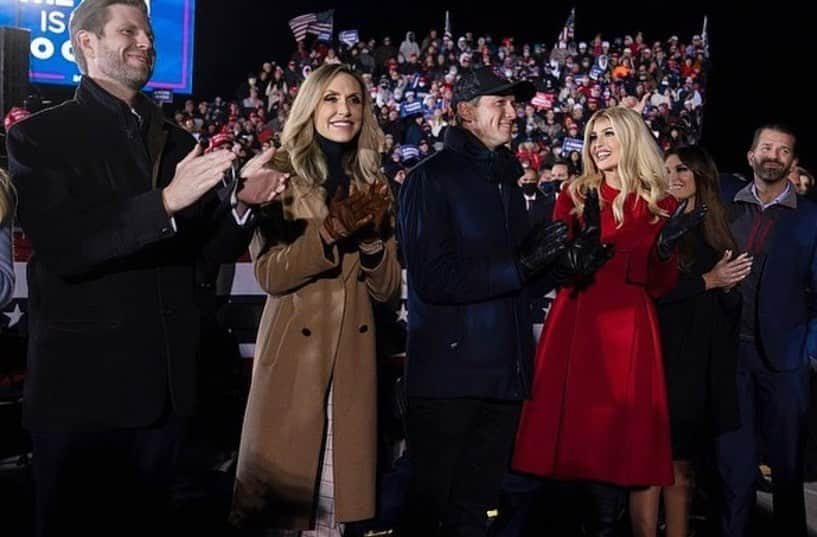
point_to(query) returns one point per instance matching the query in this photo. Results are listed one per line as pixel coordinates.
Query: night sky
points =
(761, 58)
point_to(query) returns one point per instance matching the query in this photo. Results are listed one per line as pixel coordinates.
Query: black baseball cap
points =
(476, 82)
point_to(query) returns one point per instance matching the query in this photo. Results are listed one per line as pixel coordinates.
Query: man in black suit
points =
(538, 204)
(121, 209)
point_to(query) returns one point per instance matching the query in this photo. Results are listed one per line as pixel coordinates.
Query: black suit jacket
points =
(541, 210)
(113, 313)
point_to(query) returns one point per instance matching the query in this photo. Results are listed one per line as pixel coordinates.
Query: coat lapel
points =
(157, 138)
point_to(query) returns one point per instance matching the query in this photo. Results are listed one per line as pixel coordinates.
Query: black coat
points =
(113, 313)
(461, 221)
(699, 333)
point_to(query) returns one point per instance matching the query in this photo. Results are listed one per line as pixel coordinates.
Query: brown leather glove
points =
(347, 214)
(378, 203)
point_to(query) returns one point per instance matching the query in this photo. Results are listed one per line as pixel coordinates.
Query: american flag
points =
(705, 38)
(569, 28)
(319, 24)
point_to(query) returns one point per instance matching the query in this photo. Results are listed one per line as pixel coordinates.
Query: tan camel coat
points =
(317, 326)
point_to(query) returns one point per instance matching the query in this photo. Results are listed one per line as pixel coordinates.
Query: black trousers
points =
(810, 453)
(773, 406)
(459, 450)
(113, 482)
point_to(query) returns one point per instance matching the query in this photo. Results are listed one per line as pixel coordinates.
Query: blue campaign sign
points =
(52, 59)
(572, 144)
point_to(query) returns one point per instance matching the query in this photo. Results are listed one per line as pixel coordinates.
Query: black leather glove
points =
(586, 254)
(541, 248)
(675, 228)
(592, 211)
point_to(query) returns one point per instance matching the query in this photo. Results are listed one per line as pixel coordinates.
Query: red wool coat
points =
(599, 404)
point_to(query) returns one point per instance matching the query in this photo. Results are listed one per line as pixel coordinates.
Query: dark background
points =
(762, 54)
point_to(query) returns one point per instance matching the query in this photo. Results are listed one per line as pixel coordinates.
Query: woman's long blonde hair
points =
(300, 142)
(640, 166)
(6, 197)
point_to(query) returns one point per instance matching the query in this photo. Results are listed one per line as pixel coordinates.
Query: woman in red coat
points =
(599, 405)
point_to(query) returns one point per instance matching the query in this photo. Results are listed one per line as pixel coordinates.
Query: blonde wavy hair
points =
(640, 165)
(6, 197)
(299, 138)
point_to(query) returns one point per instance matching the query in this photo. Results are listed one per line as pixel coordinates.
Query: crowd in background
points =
(411, 84)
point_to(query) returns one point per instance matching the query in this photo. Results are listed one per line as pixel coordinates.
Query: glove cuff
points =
(663, 251)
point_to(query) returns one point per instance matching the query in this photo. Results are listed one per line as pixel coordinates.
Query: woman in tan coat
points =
(321, 253)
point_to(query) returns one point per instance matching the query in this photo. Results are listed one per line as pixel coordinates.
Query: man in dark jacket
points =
(470, 263)
(120, 209)
(383, 54)
(777, 331)
(292, 74)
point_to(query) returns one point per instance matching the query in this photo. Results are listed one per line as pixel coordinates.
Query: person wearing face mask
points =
(699, 337)
(777, 331)
(598, 377)
(321, 253)
(559, 175)
(538, 205)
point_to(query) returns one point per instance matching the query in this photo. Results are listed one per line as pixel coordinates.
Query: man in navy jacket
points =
(778, 334)
(470, 261)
